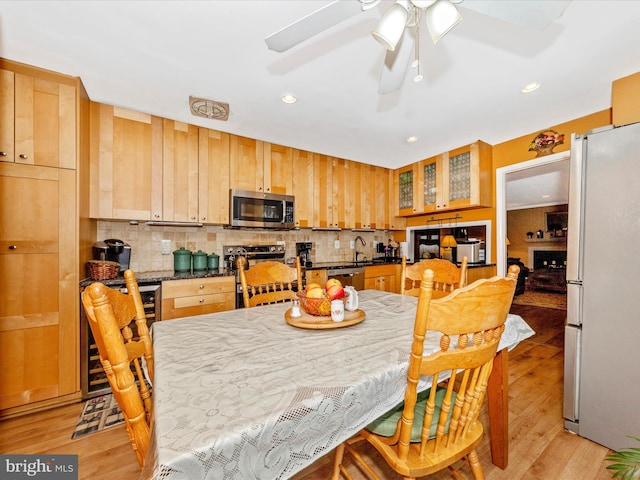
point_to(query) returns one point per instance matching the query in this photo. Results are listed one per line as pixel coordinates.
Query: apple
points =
(315, 292)
(311, 286)
(335, 292)
(331, 282)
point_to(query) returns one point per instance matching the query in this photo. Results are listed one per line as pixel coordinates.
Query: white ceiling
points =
(151, 56)
(538, 186)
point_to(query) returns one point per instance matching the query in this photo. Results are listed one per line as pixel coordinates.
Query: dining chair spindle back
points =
(432, 430)
(270, 282)
(447, 276)
(119, 326)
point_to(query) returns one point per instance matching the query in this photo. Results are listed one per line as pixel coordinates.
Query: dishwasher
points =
(353, 276)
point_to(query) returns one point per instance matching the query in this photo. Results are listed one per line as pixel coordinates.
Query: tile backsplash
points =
(146, 247)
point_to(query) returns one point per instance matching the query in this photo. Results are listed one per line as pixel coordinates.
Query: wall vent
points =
(203, 107)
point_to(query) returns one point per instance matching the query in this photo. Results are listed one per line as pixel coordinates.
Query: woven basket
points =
(102, 269)
(317, 306)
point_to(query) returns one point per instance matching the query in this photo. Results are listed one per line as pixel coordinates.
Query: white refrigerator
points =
(602, 333)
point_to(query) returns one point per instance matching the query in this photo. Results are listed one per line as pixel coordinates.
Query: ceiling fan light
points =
(441, 17)
(390, 27)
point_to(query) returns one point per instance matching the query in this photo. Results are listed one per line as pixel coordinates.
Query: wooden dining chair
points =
(270, 282)
(119, 327)
(434, 429)
(447, 276)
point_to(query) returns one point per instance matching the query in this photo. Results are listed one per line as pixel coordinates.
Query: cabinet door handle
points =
(202, 300)
(3, 154)
(13, 247)
(201, 287)
(24, 156)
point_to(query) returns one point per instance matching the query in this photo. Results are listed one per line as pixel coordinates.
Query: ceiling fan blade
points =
(396, 62)
(529, 13)
(314, 23)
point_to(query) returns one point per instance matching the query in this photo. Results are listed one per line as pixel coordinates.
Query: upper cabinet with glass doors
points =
(454, 180)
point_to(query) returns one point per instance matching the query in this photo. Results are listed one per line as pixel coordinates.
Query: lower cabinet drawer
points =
(197, 296)
(197, 305)
(197, 286)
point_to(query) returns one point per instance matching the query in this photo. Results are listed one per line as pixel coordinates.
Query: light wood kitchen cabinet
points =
(246, 172)
(197, 296)
(476, 273)
(406, 179)
(334, 192)
(213, 176)
(278, 169)
(126, 164)
(37, 119)
(316, 276)
(466, 179)
(363, 184)
(303, 187)
(454, 180)
(344, 193)
(43, 238)
(323, 212)
(385, 213)
(381, 277)
(259, 166)
(39, 311)
(180, 172)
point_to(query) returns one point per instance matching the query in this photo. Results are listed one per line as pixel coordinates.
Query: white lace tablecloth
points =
(243, 395)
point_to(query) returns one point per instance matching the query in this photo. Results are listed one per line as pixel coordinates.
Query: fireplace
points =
(549, 259)
(539, 255)
(549, 269)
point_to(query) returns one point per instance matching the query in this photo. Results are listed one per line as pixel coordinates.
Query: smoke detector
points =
(212, 109)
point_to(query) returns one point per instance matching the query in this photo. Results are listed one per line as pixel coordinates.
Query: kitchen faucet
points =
(355, 251)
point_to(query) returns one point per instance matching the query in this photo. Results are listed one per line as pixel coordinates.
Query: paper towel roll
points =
(404, 249)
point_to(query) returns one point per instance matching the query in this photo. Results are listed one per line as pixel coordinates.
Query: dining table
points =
(245, 394)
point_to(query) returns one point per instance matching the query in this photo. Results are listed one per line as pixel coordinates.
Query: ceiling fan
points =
(397, 29)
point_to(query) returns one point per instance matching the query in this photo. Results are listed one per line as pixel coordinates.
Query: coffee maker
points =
(113, 250)
(303, 250)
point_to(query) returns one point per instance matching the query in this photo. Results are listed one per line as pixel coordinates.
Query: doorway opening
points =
(522, 171)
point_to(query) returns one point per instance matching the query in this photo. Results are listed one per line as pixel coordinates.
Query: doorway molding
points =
(501, 201)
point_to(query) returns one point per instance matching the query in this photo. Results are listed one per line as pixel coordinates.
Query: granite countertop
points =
(376, 262)
(145, 278)
(364, 263)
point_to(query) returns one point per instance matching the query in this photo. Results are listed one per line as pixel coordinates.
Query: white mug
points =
(337, 310)
(352, 299)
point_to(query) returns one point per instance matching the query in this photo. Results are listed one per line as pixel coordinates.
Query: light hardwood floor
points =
(540, 449)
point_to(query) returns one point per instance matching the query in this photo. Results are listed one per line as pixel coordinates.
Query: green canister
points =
(182, 260)
(199, 261)
(213, 261)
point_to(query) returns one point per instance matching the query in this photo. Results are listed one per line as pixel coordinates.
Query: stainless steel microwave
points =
(259, 209)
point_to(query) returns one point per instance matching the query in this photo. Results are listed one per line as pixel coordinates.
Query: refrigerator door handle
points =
(571, 376)
(574, 303)
(576, 208)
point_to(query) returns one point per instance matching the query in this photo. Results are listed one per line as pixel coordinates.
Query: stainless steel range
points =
(253, 254)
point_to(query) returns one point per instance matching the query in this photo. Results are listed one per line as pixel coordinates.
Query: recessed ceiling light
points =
(289, 98)
(411, 139)
(546, 196)
(532, 87)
